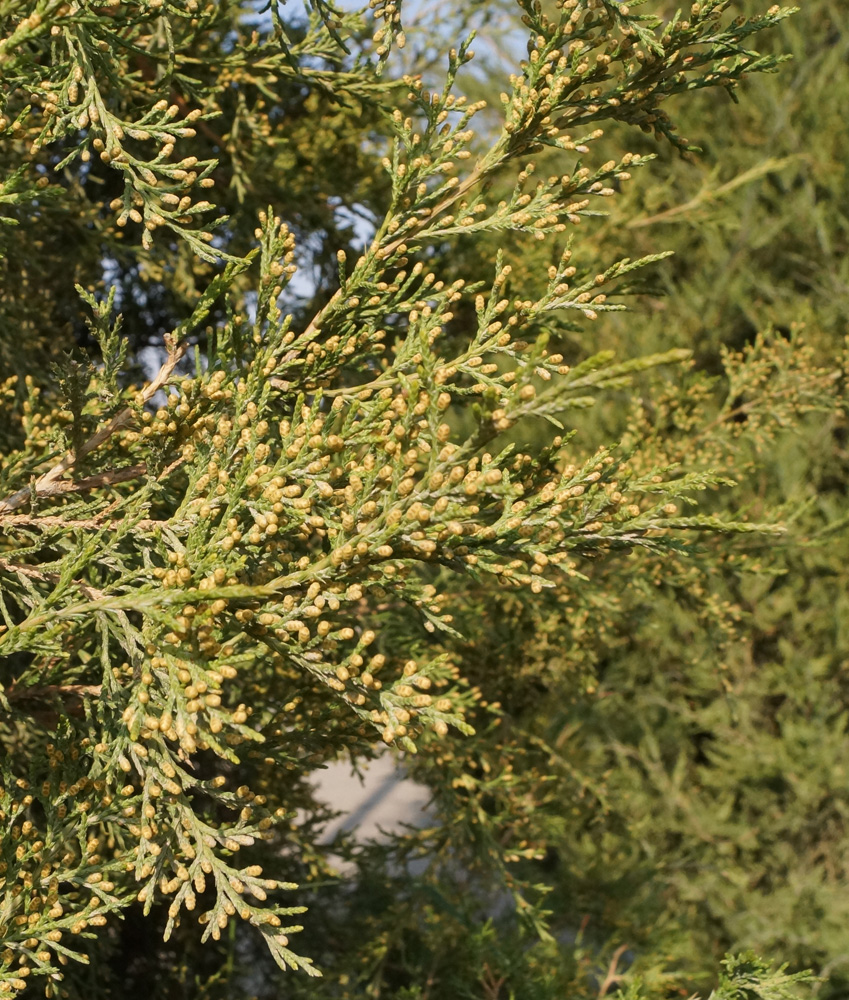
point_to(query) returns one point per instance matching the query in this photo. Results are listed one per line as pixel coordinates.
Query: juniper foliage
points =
(279, 547)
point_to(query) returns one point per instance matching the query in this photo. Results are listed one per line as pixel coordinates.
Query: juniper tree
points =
(215, 581)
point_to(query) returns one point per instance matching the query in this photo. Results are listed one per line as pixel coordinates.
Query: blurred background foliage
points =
(698, 710)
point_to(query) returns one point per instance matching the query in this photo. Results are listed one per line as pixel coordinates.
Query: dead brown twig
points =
(47, 484)
(46, 690)
(612, 977)
(491, 983)
(38, 574)
(33, 701)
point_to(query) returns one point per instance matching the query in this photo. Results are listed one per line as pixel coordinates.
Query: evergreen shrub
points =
(332, 516)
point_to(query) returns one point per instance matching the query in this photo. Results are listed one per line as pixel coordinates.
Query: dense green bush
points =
(716, 714)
